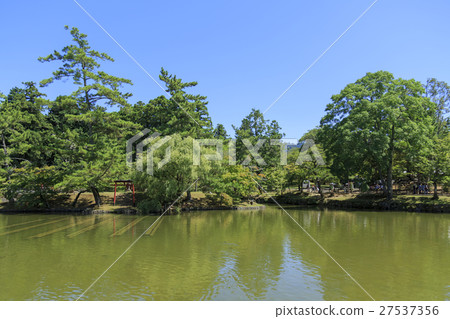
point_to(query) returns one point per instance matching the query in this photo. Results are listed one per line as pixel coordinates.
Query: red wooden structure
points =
(129, 185)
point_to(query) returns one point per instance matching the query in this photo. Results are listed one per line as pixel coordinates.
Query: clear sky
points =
(243, 54)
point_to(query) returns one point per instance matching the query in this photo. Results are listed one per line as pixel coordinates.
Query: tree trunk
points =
(188, 195)
(76, 198)
(97, 198)
(5, 150)
(8, 171)
(319, 186)
(86, 92)
(435, 195)
(390, 192)
(44, 200)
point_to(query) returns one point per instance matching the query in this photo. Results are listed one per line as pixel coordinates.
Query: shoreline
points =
(381, 206)
(119, 211)
(376, 204)
(300, 200)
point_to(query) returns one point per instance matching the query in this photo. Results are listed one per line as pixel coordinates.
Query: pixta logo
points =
(146, 146)
(146, 154)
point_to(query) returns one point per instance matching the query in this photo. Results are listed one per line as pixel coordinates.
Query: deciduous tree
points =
(372, 120)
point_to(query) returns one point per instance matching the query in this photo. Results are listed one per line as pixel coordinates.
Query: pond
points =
(227, 255)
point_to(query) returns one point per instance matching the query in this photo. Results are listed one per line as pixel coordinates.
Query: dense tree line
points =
(386, 129)
(377, 130)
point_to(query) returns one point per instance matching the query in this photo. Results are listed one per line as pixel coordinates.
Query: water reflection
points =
(228, 255)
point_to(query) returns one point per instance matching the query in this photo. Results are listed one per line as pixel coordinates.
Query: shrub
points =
(220, 199)
(364, 187)
(226, 199)
(446, 184)
(149, 206)
(32, 187)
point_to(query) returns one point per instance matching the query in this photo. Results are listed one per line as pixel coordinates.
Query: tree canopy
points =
(378, 130)
(82, 64)
(372, 121)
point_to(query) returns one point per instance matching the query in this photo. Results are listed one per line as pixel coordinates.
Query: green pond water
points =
(227, 255)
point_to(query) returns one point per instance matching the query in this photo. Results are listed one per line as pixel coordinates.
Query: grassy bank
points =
(411, 203)
(202, 201)
(124, 203)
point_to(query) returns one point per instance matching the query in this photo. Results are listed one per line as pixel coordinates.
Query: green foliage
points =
(439, 93)
(308, 163)
(33, 187)
(255, 128)
(436, 160)
(60, 110)
(446, 184)
(220, 132)
(94, 154)
(81, 64)
(364, 187)
(378, 128)
(225, 199)
(372, 121)
(172, 179)
(25, 134)
(295, 173)
(236, 181)
(149, 206)
(184, 114)
(275, 179)
(221, 199)
(437, 164)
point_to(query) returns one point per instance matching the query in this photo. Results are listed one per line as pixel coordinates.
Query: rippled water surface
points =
(227, 255)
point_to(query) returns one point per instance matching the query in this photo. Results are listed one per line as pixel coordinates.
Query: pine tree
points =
(255, 128)
(220, 132)
(81, 64)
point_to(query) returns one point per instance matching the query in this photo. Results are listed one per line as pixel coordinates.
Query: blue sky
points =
(243, 54)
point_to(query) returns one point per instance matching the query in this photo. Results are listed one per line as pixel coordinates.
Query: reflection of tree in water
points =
(40, 268)
(233, 255)
(190, 253)
(259, 252)
(394, 256)
(183, 257)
